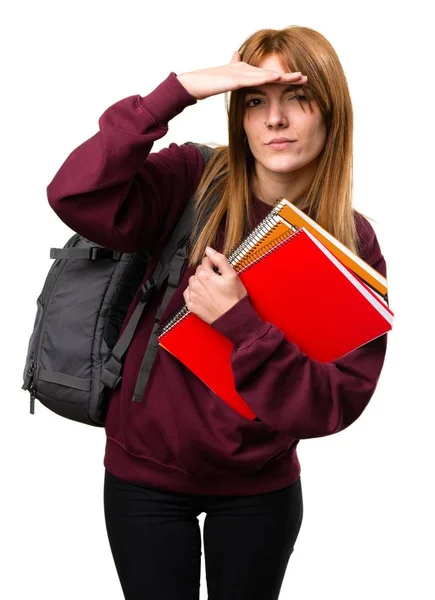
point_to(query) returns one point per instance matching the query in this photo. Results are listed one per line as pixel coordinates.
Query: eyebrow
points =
(289, 88)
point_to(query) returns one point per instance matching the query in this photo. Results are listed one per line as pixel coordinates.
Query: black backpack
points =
(75, 355)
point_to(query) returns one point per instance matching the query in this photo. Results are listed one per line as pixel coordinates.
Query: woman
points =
(182, 450)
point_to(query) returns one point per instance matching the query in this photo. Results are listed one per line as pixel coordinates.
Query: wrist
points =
(183, 78)
(167, 100)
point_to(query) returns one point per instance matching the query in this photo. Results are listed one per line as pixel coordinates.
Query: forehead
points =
(272, 88)
(272, 63)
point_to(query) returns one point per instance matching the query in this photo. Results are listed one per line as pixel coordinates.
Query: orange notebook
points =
(298, 285)
(297, 218)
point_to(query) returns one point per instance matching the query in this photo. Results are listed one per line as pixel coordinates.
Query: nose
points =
(276, 116)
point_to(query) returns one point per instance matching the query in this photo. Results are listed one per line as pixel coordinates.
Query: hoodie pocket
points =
(218, 440)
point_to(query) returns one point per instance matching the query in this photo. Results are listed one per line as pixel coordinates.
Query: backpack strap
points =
(165, 268)
(174, 279)
(176, 270)
(170, 266)
(93, 253)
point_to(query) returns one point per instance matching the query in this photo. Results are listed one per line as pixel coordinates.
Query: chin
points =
(281, 165)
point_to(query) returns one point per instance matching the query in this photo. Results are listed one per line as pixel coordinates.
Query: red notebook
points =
(303, 289)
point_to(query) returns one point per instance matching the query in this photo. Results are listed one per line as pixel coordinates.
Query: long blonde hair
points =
(225, 186)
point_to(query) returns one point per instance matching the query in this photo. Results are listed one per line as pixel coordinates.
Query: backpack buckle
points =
(147, 289)
(183, 241)
(96, 253)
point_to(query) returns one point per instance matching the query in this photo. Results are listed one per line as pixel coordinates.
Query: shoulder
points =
(181, 163)
(365, 231)
(205, 150)
(186, 154)
(370, 250)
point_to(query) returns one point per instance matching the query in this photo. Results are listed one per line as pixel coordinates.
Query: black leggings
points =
(155, 540)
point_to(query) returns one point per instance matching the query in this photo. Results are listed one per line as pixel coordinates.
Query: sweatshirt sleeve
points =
(116, 193)
(291, 392)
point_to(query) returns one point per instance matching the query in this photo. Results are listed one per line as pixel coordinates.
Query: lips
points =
(279, 140)
(280, 145)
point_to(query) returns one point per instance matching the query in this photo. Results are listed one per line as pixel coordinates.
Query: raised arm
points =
(116, 193)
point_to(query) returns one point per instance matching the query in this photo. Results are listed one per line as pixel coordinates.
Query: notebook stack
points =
(300, 278)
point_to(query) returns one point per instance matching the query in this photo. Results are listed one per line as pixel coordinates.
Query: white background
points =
(368, 529)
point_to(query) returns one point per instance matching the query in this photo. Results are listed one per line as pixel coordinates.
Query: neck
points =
(268, 186)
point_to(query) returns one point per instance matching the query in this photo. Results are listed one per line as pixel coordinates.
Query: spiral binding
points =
(181, 314)
(246, 259)
(244, 255)
(274, 246)
(259, 229)
(263, 231)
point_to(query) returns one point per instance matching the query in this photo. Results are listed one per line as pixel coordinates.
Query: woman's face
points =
(276, 113)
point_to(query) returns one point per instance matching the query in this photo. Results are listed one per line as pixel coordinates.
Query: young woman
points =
(182, 450)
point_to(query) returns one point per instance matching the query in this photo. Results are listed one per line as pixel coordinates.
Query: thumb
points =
(219, 260)
(235, 57)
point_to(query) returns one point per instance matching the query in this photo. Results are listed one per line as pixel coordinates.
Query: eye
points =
(298, 96)
(248, 103)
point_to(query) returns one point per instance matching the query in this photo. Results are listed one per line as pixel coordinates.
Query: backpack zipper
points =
(28, 385)
(32, 390)
(29, 375)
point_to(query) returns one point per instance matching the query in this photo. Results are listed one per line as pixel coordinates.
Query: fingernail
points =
(210, 250)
